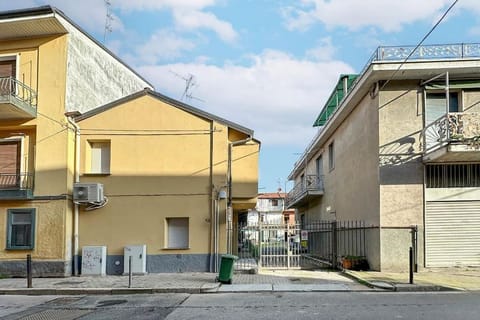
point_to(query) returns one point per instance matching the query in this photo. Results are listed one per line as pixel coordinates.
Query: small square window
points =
(331, 156)
(177, 233)
(274, 202)
(100, 157)
(21, 229)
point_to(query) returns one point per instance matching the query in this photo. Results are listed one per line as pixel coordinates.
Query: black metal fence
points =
(329, 241)
(321, 243)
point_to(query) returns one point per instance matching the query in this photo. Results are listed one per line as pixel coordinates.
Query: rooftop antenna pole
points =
(190, 82)
(108, 20)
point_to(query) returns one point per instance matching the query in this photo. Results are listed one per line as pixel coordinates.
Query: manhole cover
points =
(107, 303)
(57, 315)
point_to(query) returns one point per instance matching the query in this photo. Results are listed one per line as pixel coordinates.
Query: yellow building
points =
(164, 166)
(71, 111)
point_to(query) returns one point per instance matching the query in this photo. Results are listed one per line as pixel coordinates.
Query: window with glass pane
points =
(331, 156)
(21, 229)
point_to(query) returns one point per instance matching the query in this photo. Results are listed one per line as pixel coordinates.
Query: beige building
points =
(72, 112)
(398, 146)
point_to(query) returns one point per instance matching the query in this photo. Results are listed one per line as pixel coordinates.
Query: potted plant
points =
(355, 263)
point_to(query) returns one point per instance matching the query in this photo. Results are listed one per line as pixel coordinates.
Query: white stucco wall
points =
(94, 76)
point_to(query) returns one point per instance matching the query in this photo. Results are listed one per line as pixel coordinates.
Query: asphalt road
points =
(279, 306)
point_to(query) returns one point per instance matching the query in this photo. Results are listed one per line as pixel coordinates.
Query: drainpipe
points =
(230, 196)
(212, 202)
(75, 205)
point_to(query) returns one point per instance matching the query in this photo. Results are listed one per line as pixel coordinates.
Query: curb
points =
(362, 281)
(399, 287)
(101, 291)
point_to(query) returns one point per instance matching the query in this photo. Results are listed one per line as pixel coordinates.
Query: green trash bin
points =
(226, 268)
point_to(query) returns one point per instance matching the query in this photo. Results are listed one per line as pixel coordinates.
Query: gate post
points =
(259, 246)
(288, 246)
(334, 244)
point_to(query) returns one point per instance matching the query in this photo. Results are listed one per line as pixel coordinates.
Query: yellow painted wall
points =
(42, 66)
(245, 171)
(50, 218)
(160, 168)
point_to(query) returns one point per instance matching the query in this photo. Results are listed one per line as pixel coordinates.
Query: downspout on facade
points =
(75, 266)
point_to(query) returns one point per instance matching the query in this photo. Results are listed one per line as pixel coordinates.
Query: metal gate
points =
(271, 246)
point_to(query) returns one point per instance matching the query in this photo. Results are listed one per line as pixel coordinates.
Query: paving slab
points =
(311, 287)
(265, 287)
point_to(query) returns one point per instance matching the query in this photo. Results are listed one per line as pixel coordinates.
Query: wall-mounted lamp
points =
(222, 194)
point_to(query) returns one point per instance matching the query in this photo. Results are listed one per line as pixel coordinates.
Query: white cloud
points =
(388, 16)
(163, 45)
(193, 20)
(324, 51)
(89, 14)
(140, 5)
(189, 15)
(276, 95)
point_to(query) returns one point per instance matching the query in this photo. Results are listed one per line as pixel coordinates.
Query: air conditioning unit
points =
(88, 192)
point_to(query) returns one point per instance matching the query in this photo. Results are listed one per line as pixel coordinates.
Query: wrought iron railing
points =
(16, 181)
(311, 182)
(9, 86)
(448, 51)
(452, 127)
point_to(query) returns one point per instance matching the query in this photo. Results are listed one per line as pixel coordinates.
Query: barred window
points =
(453, 175)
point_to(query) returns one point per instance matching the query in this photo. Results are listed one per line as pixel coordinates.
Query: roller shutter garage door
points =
(452, 233)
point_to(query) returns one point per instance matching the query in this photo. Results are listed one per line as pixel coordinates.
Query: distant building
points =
(270, 209)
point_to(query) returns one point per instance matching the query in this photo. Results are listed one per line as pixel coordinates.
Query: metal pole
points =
(414, 232)
(29, 271)
(334, 244)
(410, 256)
(130, 271)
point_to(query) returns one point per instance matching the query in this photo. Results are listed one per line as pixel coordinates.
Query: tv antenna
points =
(108, 19)
(190, 82)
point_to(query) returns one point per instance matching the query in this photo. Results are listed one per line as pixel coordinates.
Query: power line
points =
(419, 44)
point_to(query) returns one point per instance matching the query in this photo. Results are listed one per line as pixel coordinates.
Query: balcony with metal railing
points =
(398, 54)
(16, 186)
(17, 100)
(309, 188)
(454, 137)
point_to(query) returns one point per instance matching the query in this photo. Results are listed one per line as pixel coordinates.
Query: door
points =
(7, 70)
(452, 233)
(9, 164)
(435, 108)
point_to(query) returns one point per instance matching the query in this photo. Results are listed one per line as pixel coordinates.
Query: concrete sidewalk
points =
(265, 281)
(461, 279)
(466, 279)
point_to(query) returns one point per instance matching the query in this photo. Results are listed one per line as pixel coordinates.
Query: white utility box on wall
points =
(139, 259)
(94, 260)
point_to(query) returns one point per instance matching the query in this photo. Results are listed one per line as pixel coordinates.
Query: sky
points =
(267, 65)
